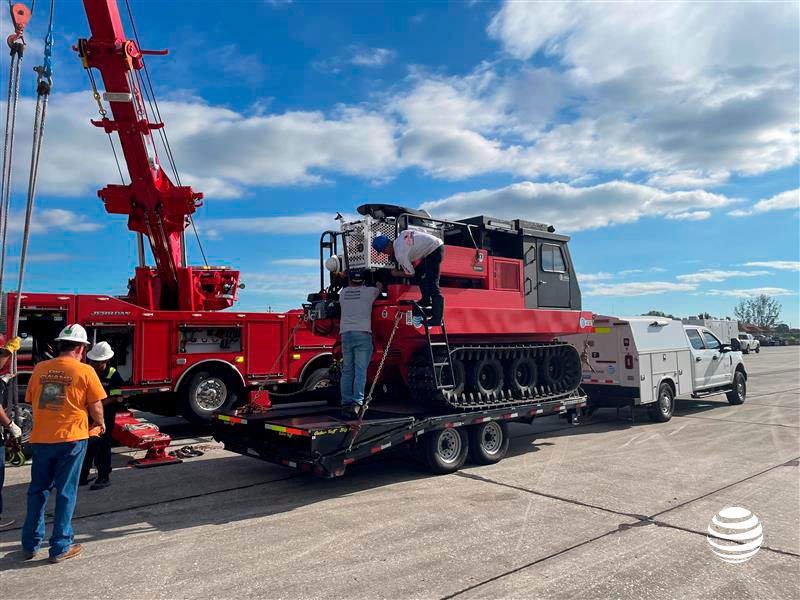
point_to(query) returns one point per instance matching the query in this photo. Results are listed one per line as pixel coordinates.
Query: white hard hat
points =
(333, 264)
(73, 333)
(101, 352)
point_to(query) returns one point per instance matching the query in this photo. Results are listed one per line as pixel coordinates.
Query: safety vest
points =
(107, 382)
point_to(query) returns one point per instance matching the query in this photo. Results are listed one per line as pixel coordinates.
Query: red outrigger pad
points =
(140, 434)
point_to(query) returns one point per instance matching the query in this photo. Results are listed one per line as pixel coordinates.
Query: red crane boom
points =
(156, 207)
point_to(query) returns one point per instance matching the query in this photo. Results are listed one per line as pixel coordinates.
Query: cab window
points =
(694, 339)
(742, 336)
(552, 259)
(712, 343)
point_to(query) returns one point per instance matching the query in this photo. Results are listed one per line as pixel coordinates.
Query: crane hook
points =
(20, 16)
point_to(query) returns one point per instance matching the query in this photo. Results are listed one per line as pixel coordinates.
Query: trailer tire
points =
(522, 376)
(444, 450)
(488, 442)
(661, 410)
(486, 377)
(319, 378)
(205, 392)
(738, 393)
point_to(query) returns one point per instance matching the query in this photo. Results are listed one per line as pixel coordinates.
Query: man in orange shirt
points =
(64, 392)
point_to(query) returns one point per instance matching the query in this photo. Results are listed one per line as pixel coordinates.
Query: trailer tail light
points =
(628, 361)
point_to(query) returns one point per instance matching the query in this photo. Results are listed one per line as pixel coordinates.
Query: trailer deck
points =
(313, 437)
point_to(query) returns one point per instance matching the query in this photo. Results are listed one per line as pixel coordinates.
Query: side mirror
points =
(725, 348)
(735, 344)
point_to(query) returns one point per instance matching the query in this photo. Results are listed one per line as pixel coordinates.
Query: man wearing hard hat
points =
(99, 448)
(64, 392)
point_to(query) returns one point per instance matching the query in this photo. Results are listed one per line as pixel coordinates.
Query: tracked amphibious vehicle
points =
(509, 288)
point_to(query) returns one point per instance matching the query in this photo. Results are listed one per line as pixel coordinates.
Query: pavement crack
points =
(551, 496)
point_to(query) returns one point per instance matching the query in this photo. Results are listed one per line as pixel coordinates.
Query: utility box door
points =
(646, 394)
(264, 342)
(155, 343)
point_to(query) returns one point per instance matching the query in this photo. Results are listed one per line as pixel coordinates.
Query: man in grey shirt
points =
(355, 327)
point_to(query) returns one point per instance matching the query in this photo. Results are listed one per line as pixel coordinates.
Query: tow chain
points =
(357, 428)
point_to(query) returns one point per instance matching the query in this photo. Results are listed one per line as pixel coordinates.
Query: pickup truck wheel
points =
(738, 393)
(444, 451)
(758, 349)
(206, 392)
(661, 410)
(488, 442)
(746, 350)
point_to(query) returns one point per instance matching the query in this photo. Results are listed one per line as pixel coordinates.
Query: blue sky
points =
(663, 138)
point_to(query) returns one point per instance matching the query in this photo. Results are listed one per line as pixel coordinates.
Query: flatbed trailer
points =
(312, 437)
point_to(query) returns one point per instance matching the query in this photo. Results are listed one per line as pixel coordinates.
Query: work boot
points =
(83, 482)
(73, 551)
(102, 482)
(351, 411)
(29, 555)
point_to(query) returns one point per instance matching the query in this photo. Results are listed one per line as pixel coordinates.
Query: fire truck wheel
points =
(444, 451)
(522, 376)
(206, 392)
(488, 442)
(661, 410)
(486, 377)
(319, 378)
(26, 424)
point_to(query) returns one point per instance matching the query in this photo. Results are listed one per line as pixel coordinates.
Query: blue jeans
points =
(56, 465)
(356, 351)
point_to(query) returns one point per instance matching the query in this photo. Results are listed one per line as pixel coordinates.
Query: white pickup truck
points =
(749, 344)
(651, 361)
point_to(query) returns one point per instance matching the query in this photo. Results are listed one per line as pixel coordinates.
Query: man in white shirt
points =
(413, 246)
(355, 328)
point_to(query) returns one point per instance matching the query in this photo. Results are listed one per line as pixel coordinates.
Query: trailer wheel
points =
(486, 377)
(522, 376)
(488, 442)
(206, 392)
(319, 378)
(661, 410)
(444, 451)
(738, 394)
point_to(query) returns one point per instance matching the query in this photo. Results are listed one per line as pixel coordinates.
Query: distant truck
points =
(724, 329)
(749, 343)
(652, 360)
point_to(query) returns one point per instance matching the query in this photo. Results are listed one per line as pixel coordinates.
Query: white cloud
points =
(222, 151)
(288, 287)
(639, 288)
(784, 265)
(44, 258)
(289, 225)
(711, 275)
(52, 219)
(575, 208)
(769, 291)
(297, 262)
(372, 57)
(686, 93)
(589, 277)
(788, 200)
(691, 215)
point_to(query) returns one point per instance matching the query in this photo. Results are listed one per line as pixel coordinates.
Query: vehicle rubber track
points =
(558, 374)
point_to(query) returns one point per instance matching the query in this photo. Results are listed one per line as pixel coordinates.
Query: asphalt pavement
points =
(616, 507)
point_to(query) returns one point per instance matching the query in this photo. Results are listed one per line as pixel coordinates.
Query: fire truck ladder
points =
(439, 360)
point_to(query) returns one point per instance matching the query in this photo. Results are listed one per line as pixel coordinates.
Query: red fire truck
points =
(178, 348)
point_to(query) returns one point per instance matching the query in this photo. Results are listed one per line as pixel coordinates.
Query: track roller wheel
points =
(552, 370)
(486, 377)
(488, 442)
(459, 381)
(444, 451)
(522, 376)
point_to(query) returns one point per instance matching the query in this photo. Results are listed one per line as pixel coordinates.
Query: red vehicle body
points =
(161, 353)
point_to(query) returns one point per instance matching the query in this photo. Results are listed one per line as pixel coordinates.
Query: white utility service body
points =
(626, 360)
